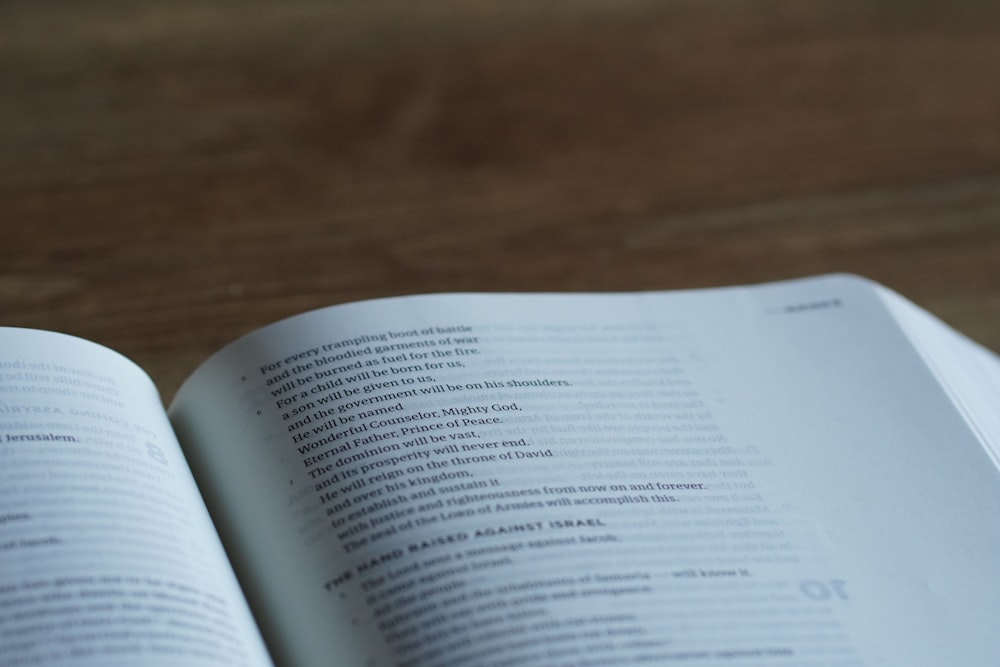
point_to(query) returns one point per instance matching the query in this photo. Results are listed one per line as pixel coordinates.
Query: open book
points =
(799, 473)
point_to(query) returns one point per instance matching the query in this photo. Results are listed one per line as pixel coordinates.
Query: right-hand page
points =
(764, 475)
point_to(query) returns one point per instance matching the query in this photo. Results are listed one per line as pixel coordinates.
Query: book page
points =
(107, 553)
(969, 372)
(746, 476)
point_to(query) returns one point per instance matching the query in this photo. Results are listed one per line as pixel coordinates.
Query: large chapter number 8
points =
(156, 453)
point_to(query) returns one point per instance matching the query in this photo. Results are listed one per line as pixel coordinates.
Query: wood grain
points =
(173, 175)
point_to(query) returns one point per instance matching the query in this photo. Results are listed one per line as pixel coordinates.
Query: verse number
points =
(156, 453)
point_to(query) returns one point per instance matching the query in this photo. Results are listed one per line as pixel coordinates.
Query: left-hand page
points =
(107, 553)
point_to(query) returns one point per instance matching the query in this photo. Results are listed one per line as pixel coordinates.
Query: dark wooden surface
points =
(175, 174)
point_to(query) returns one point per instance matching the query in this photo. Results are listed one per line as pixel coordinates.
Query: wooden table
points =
(175, 174)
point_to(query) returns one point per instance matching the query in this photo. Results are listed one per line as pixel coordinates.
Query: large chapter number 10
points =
(824, 590)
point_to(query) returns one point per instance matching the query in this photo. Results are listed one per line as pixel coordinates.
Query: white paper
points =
(745, 476)
(107, 554)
